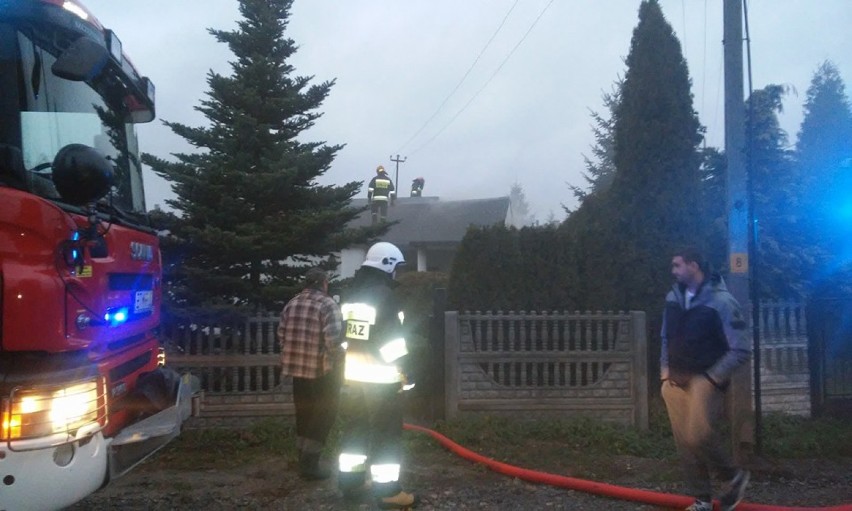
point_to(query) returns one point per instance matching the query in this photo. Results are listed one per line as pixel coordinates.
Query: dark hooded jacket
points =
(707, 337)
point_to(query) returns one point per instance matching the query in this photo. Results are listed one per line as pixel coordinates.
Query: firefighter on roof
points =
(379, 192)
(417, 187)
(375, 378)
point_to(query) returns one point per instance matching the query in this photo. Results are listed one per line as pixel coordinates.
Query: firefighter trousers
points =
(379, 210)
(372, 429)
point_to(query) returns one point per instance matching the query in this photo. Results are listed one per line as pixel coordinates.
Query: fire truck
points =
(84, 392)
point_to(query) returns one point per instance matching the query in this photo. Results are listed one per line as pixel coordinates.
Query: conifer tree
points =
(625, 238)
(600, 167)
(712, 204)
(825, 136)
(250, 212)
(824, 162)
(781, 251)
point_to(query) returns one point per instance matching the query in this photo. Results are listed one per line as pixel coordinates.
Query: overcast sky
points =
(407, 83)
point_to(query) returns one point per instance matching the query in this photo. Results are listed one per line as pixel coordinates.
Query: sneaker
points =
(700, 505)
(401, 500)
(734, 492)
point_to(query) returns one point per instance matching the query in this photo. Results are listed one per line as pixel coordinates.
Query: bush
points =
(503, 268)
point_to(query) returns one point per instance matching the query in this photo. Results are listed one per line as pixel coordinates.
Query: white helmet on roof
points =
(384, 256)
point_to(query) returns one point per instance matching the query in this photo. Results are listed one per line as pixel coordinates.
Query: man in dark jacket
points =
(703, 341)
(379, 192)
(374, 374)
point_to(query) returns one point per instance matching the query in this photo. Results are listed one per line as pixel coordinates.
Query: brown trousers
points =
(696, 411)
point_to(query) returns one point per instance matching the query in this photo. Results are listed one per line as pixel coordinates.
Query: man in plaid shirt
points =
(309, 332)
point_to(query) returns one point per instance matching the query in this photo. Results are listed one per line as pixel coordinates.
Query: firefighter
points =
(375, 378)
(417, 187)
(379, 192)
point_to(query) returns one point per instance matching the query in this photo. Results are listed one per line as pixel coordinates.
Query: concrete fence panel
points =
(555, 364)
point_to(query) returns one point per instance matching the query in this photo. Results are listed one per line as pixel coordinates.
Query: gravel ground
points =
(444, 481)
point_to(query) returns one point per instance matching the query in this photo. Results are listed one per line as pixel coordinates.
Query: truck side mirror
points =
(81, 174)
(83, 60)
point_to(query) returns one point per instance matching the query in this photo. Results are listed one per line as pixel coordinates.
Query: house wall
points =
(417, 259)
(350, 261)
(431, 258)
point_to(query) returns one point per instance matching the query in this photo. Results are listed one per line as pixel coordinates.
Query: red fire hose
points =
(607, 490)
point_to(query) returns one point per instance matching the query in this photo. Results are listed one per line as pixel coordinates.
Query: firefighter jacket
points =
(373, 334)
(417, 187)
(706, 336)
(380, 188)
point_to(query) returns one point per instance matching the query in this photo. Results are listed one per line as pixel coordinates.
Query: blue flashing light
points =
(75, 252)
(116, 317)
(844, 212)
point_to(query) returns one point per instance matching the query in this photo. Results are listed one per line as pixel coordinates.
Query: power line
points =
(704, 63)
(481, 52)
(534, 23)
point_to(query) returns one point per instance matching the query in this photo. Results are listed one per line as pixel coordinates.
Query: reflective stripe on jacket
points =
(380, 188)
(375, 344)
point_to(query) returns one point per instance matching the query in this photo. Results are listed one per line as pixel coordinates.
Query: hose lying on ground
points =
(607, 490)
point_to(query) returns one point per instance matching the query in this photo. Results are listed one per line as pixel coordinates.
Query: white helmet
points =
(384, 256)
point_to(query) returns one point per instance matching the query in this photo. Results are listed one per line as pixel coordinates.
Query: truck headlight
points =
(31, 413)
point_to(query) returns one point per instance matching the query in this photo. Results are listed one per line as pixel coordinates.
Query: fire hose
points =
(603, 489)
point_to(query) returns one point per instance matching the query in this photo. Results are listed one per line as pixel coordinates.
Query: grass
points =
(207, 448)
(793, 437)
(585, 442)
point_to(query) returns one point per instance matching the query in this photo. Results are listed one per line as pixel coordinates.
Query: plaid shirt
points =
(309, 332)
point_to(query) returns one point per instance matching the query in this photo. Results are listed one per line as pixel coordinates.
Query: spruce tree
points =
(250, 213)
(649, 210)
(825, 136)
(824, 162)
(712, 204)
(600, 167)
(782, 253)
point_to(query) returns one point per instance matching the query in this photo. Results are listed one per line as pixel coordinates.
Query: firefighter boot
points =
(352, 485)
(401, 500)
(309, 467)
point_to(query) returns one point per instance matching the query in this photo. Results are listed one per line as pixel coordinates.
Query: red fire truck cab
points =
(84, 395)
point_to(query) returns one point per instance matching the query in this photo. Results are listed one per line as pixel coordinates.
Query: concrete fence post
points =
(640, 369)
(452, 378)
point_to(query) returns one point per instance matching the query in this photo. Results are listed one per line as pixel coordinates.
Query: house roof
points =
(431, 220)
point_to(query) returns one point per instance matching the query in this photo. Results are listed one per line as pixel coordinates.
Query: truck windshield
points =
(56, 112)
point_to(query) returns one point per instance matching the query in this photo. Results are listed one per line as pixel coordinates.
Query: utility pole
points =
(396, 179)
(738, 207)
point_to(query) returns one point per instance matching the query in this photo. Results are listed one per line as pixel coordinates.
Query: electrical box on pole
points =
(740, 405)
